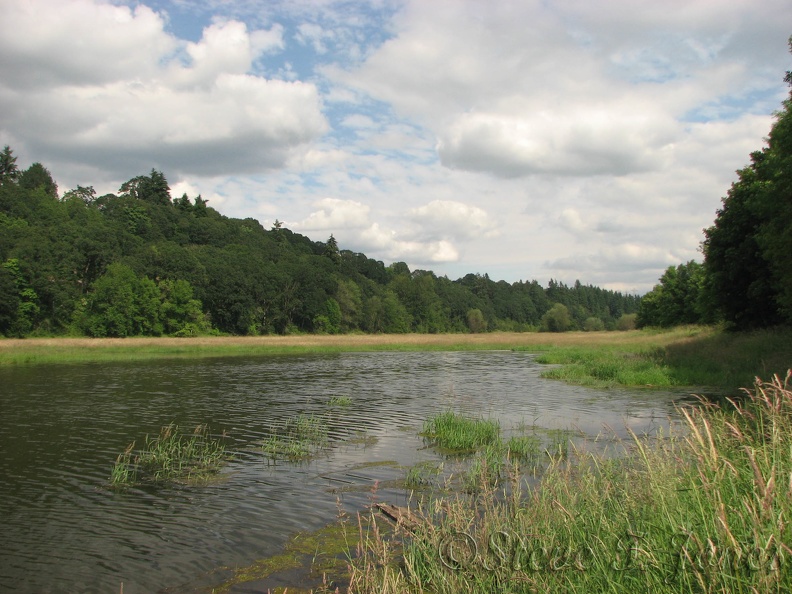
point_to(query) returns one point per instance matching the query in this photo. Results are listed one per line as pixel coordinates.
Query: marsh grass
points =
(422, 475)
(31, 351)
(342, 401)
(457, 433)
(172, 456)
(300, 438)
(694, 356)
(702, 508)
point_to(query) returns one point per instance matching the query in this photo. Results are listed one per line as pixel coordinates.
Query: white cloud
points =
(126, 100)
(349, 222)
(450, 219)
(525, 139)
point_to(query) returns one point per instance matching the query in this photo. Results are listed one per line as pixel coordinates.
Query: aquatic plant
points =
(339, 401)
(458, 433)
(703, 508)
(524, 448)
(301, 437)
(170, 456)
(421, 475)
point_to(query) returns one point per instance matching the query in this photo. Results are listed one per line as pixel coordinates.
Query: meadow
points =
(704, 358)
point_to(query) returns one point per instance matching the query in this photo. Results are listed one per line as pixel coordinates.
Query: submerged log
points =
(400, 516)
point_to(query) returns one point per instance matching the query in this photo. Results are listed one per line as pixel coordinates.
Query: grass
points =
(172, 456)
(457, 433)
(489, 454)
(692, 356)
(685, 356)
(301, 437)
(31, 351)
(421, 475)
(705, 508)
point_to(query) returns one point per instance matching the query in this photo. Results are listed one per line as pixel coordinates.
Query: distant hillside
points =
(142, 263)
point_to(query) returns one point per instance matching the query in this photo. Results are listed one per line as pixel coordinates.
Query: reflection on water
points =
(61, 428)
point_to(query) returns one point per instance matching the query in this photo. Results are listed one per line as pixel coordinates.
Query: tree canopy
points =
(140, 263)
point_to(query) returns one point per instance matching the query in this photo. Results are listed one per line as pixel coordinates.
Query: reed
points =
(702, 508)
(457, 433)
(301, 437)
(172, 456)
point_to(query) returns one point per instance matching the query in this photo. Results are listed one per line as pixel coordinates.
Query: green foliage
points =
(475, 321)
(557, 319)
(8, 167)
(593, 324)
(37, 176)
(747, 249)
(22, 298)
(122, 304)
(678, 299)
(627, 322)
(123, 265)
(9, 301)
(301, 437)
(172, 456)
(455, 432)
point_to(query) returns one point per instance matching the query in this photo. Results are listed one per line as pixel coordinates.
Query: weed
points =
(704, 509)
(171, 456)
(342, 401)
(457, 433)
(300, 438)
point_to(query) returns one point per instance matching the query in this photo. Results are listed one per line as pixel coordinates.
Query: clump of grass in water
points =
(421, 475)
(524, 448)
(455, 432)
(171, 456)
(704, 510)
(343, 401)
(300, 438)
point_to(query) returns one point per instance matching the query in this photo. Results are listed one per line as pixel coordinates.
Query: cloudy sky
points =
(526, 139)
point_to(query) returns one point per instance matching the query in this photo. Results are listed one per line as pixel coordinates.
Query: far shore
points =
(53, 350)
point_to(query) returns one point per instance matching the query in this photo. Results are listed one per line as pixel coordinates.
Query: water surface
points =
(61, 428)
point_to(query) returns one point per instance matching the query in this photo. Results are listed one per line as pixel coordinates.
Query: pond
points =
(62, 427)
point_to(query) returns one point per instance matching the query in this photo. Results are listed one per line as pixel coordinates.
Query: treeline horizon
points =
(745, 281)
(141, 263)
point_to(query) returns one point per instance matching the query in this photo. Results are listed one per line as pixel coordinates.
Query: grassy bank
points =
(72, 350)
(702, 357)
(691, 356)
(702, 510)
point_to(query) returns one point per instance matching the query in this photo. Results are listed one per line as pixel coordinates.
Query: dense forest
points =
(746, 278)
(140, 262)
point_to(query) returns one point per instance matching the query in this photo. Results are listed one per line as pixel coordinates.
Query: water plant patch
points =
(171, 456)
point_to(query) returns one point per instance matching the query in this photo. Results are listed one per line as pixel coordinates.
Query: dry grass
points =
(34, 350)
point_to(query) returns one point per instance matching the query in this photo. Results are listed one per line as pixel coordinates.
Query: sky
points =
(527, 140)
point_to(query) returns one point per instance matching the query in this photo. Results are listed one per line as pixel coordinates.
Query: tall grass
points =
(172, 456)
(694, 356)
(458, 433)
(705, 508)
(301, 437)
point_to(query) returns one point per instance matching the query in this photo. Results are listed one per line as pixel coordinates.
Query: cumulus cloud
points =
(581, 91)
(350, 223)
(450, 219)
(108, 85)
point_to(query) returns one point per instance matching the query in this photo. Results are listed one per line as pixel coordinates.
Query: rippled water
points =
(61, 428)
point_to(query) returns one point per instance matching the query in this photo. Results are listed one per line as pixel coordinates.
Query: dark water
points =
(61, 428)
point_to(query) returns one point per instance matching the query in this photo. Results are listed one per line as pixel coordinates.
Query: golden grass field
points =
(54, 350)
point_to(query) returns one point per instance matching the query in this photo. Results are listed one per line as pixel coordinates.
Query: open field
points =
(53, 350)
(687, 356)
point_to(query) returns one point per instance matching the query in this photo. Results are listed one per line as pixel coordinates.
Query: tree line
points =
(745, 280)
(140, 262)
